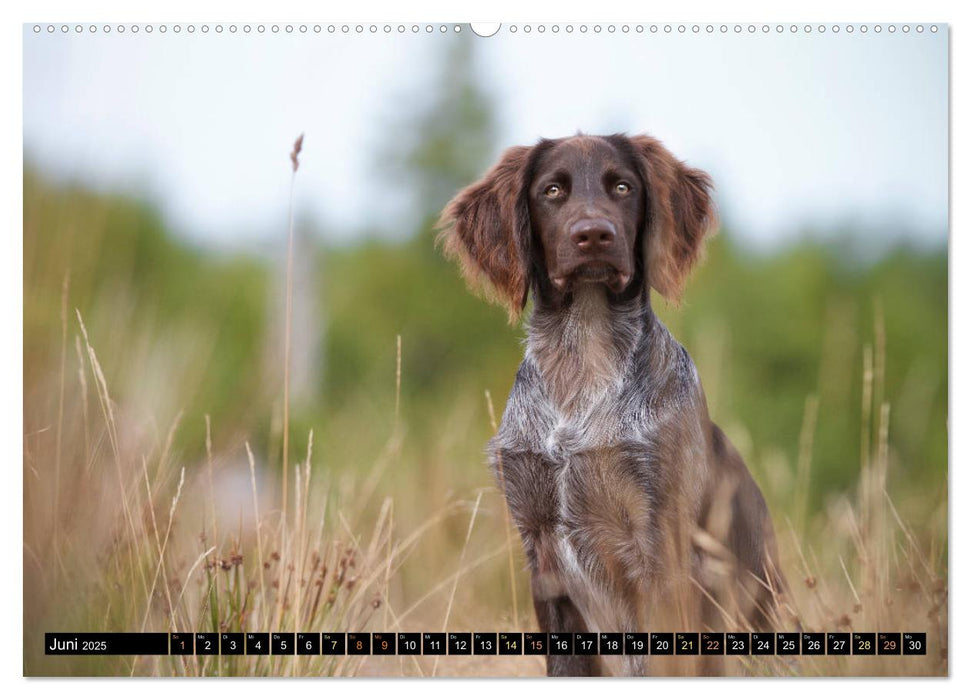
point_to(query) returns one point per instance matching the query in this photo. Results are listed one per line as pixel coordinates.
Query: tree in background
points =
(378, 290)
(446, 140)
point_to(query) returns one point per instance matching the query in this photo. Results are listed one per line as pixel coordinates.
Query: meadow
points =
(154, 493)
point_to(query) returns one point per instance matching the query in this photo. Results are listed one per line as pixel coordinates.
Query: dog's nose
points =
(593, 235)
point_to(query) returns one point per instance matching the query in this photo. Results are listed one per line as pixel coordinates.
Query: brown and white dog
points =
(634, 509)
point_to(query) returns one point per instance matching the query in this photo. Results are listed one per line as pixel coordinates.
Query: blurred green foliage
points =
(796, 324)
(149, 301)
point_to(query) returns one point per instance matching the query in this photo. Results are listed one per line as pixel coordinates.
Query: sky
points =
(799, 130)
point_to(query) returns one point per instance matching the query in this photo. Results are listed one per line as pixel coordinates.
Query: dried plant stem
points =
(288, 323)
(212, 491)
(397, 382)
(866, 408)
(286, 348)
(111, 430)
(60, 417)
(465, 547)
(160, 567)
(806, 437)
(472, 565)
(302, 501)
(388, 558)
(455, 583)
(83, 384)
(188, 576)
(259, 529)
(849, 580)
(879, 352)
(505, 507)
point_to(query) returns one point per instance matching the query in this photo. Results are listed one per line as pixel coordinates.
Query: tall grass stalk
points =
(507, 519)
(455, 583)
(288, 322)
(60, 410)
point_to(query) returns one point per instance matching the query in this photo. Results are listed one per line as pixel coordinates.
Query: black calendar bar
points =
(915, 643)
(662, 643)
(384, 644)
(611, 643)
(489, 643)
(763, 643)
(738, 643)
(585, 643)
(308, 643)
(561, 643)
(283, 643)
(686, 643)
(636, 644)
(409, 643)
(713, 643)
(359, 643)
(485, 643)
(813, 643)
(231, 644)
(433, 644)
(838, 644)
(511, 643)
(182, 643)
(459, 643)
(536, 643)
(105, 643)
(207, 644)
(333, 643)
(257, 644)
(889, 643)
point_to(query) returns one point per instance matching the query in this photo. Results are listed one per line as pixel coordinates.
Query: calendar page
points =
(413, 349)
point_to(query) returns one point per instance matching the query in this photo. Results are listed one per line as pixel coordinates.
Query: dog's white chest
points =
(601, 514)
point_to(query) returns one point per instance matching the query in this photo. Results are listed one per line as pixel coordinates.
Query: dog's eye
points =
(553, 191)
(622, 188)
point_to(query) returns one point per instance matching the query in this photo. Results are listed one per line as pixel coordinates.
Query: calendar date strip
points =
(486, 643)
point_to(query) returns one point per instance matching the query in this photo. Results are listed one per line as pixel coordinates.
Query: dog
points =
(633, 507)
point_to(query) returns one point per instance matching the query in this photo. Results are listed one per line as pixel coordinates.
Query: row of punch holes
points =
(489, 31)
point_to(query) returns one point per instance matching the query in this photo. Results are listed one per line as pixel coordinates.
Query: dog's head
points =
(617, 211)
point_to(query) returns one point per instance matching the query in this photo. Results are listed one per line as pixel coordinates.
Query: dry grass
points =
(122, 536)
(147, 548)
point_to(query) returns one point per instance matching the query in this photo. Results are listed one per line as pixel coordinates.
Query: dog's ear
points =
(486, 228)
(680, 213)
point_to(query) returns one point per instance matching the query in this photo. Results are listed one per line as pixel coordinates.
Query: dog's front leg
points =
(561, 615)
